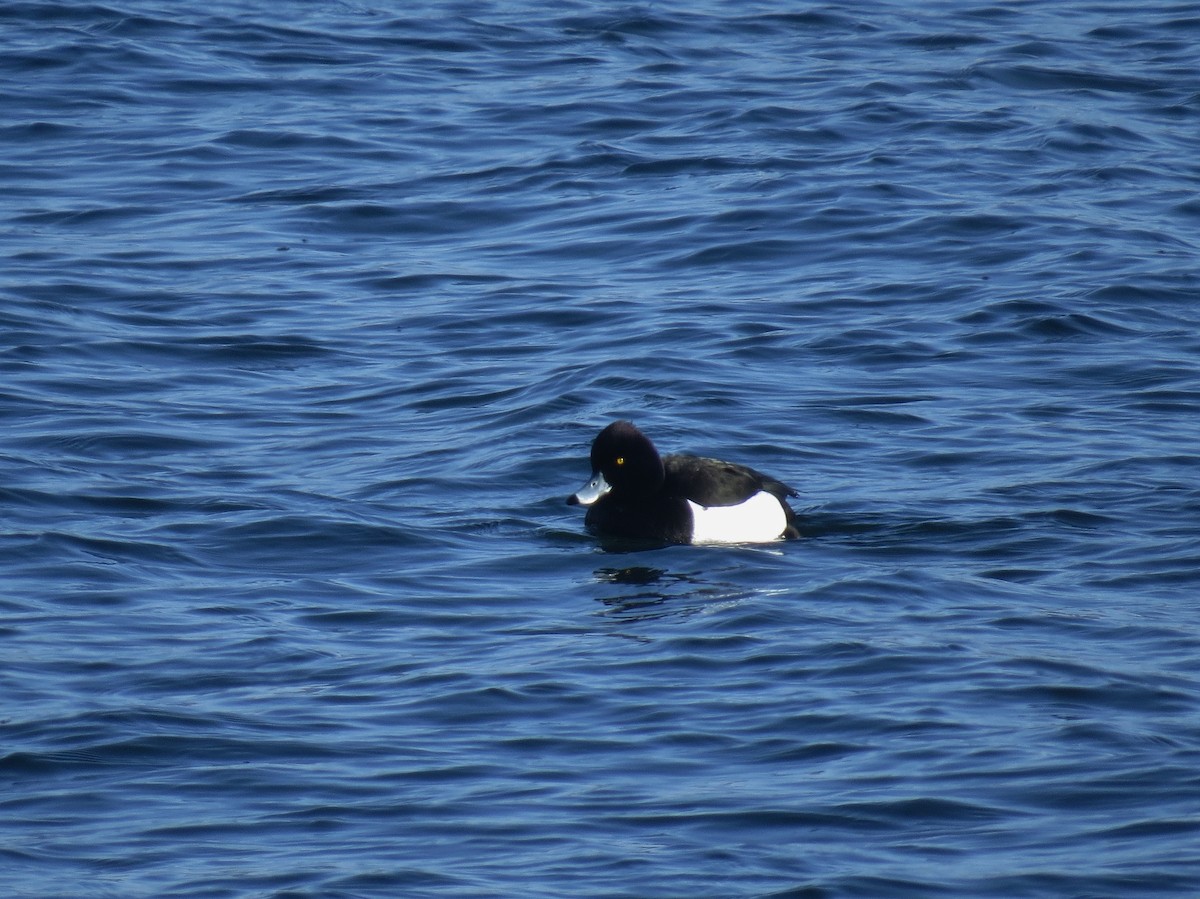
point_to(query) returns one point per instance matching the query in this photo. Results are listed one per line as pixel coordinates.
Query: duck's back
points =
(713, 482)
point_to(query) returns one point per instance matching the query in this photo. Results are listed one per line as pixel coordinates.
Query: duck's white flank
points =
(757, 520)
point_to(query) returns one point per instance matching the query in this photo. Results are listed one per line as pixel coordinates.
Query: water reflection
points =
(638, 575)
(644, 592)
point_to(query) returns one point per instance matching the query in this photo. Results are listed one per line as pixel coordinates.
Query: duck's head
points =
(624, 462)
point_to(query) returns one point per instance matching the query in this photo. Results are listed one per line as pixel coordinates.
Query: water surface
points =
(309, 313)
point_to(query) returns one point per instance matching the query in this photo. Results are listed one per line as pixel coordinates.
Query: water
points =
(309, 312)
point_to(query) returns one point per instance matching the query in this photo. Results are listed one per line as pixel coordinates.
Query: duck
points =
(634, 493)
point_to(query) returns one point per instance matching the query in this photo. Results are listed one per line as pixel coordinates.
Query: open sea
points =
(309, 312)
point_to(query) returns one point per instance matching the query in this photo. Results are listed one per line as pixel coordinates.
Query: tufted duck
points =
(635, 493)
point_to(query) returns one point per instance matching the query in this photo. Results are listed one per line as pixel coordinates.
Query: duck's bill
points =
(589, 492)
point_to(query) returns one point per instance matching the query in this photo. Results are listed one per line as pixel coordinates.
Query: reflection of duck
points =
(636, 493)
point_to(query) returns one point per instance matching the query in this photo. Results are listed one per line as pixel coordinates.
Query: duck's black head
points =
(627, 459)
(624, 462)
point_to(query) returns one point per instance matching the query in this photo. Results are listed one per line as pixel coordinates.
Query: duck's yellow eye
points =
(620, 460)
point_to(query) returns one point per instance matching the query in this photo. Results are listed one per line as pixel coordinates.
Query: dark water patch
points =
(88, 217)
(302, 195)
(877, 348)
(105, 551)
(1067, 326)
(38, 132)
(1151, 828)
(1052, 78)
(1068, 697)
(275, 140)
(116, 445)
(123, 503)
(252, 349)
(946, 41)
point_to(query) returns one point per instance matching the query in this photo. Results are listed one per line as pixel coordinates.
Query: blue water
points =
(310, 310)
